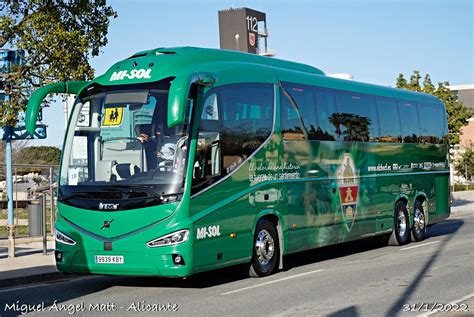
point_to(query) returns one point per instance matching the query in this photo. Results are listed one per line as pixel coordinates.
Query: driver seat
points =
(124, 170)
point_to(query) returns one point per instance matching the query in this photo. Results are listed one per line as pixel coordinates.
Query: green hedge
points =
(460, 187)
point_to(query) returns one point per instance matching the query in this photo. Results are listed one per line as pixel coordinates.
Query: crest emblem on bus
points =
(348, 184)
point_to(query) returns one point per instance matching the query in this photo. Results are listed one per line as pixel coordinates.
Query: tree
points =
(55, 40)
(464, 165)
(17, 148)
(39, 155)
(457, 113)
(33, 156)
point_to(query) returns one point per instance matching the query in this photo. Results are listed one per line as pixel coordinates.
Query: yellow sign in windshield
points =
(113, 117)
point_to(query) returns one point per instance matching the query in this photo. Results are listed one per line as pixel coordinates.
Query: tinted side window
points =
(247, 119)
(432, 118)
(389, 120)
(326, 110)
(304, 99)
(410, 126)
(356, 117)
(235, 121)
(290, 121)
(315, 107)
(442, 110)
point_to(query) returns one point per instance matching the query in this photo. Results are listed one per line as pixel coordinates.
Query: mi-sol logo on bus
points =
(103, 206)
(208, 232)
(134, 74)
(348, 183)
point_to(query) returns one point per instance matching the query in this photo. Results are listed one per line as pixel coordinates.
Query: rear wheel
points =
(266, 249)
(418, 232)
(401, 230)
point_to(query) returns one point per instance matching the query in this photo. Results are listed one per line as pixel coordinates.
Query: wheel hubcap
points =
(264, 247)
(402, 223)
(419, 220)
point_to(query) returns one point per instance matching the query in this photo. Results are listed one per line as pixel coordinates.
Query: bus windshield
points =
(120, 139)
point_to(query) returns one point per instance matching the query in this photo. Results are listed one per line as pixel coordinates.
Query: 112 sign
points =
(252, 23)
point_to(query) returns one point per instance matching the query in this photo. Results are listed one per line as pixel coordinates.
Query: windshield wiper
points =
(71, 196)
(165, 198)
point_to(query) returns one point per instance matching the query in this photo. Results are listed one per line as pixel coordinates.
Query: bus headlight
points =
(62, 238)
(170, 239)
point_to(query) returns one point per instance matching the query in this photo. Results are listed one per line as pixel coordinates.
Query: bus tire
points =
(401, 229)
(418, 232)
(265, 250)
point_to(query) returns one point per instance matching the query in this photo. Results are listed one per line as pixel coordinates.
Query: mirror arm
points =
(179, 92)
(34, 103)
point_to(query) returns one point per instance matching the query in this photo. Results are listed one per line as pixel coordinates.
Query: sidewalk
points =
(31, 266)
(464, 208)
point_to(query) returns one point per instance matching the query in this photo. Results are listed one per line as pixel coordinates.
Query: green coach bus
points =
(183, 160)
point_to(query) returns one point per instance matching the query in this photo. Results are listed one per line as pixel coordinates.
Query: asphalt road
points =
(363, 278)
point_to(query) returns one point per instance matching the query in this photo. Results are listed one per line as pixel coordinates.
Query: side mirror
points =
(179, 92)
(34, 104)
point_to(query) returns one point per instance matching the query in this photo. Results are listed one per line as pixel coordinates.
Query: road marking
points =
(450, 303)
(271, 282)
(418, 245)
(53, 282)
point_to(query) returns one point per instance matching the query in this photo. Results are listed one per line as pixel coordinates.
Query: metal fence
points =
(30, 182)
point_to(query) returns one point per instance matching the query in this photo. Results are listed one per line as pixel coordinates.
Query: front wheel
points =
(418, 232)
(266, 249)
(401, 232)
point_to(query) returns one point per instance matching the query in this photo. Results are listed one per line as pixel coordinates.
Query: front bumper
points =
(138, 258)
(135, 263)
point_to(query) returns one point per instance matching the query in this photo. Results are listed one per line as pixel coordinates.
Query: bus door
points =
(311, 217)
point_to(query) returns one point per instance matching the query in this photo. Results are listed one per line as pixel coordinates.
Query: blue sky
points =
(372, 40)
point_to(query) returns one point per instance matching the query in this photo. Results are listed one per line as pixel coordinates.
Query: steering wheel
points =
(179, 152)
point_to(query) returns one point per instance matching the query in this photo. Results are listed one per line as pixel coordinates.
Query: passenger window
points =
(389, 119)
(315, 108)
(304, 100)
(84, 115)
(290, 121)
(432, 117)
(356, 118)
(326, 110)
(410, 125)
(210, 110)
(207, 159)
(235, 121)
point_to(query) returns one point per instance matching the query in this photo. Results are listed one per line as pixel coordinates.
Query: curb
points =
(31, 279)
(465, 208)
(460, 211)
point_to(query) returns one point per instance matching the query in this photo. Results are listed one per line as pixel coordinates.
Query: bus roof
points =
(156, 64)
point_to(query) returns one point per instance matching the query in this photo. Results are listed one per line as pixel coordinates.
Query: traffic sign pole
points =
(7, 59)
(10, 225)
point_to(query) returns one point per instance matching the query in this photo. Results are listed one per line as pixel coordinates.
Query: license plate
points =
(109, 259)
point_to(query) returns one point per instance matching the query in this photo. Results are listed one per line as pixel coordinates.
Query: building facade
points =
(465, 94)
